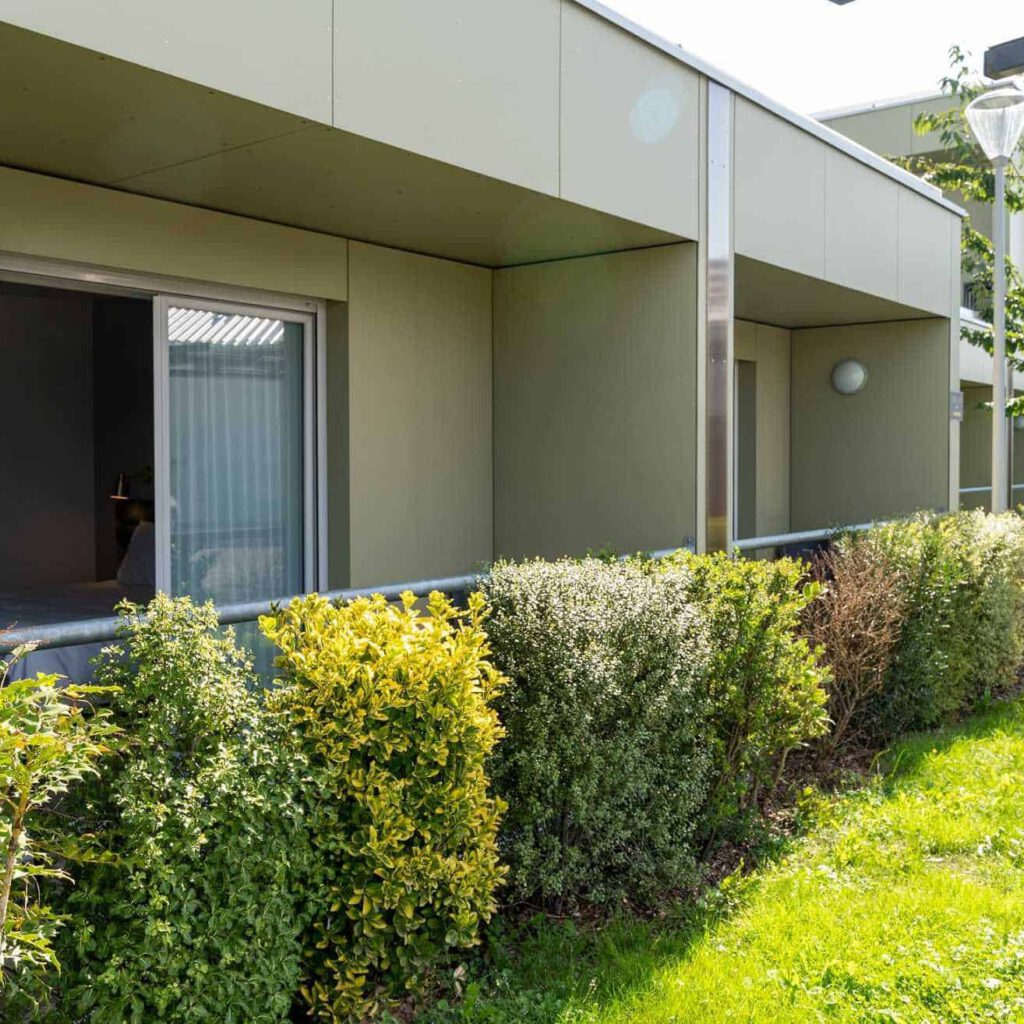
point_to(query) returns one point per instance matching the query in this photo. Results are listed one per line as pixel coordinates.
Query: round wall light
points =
(849, 377)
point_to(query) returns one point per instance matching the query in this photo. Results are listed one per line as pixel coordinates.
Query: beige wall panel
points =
(887, 131)
(420, 416)
(275, 53)
(595, 403)
(779, 192)
(880, 453)
(861, 227)
(629, 125)
(976, 446)
(57, 219)
(932, 141)
(925, 254)
(337, 399)
(470, 82)
(773, 448)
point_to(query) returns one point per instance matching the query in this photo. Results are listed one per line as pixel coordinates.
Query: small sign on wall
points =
(956, 406)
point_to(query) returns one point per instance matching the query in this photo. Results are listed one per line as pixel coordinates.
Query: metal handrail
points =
(987, 489)
(101, 630)
(779, 540)
(104, 630)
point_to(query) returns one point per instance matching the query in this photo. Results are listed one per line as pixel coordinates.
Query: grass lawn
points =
(904, 903)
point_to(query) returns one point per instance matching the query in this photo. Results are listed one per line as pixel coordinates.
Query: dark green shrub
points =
(190, 912)
(391, 711)
(765, 685)
(962, 638)
(604, 767)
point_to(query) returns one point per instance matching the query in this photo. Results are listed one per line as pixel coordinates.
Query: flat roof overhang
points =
(773, 295)
(77, 114)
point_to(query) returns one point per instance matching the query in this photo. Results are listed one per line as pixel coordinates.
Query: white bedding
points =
(69, 602)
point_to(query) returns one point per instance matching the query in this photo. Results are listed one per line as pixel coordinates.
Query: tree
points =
(962, 168)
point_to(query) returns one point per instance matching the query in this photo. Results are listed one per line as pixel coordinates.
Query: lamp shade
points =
(849, 377)
(997, 120)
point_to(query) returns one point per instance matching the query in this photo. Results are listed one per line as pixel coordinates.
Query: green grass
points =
(903, 903)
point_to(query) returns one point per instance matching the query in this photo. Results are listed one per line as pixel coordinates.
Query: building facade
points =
(425, 285)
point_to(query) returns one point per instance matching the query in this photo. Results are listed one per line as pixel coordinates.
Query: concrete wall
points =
(879, 453)
(595, 403)
(802, 205)
(47, 518)
(419, 338)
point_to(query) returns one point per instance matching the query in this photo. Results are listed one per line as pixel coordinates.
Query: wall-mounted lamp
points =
(849, 377)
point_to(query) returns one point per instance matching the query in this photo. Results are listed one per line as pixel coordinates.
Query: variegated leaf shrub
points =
(391, 707)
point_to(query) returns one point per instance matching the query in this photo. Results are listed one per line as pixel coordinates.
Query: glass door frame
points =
(96, 278)
(314, 494)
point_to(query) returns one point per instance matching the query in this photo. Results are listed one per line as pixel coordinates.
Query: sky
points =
(814, 56)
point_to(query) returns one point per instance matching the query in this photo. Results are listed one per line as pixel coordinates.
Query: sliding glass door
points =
(235, 511)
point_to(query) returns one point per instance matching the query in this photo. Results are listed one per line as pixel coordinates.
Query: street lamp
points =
(997, 120)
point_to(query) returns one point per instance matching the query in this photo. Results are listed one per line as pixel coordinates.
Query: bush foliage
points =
(961, 636)
(603, 768)
(323, 846)
(765, 692)
(50, 739)
(392, 711)
(188, 911)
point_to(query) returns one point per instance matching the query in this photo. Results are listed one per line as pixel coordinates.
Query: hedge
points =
(327, 845)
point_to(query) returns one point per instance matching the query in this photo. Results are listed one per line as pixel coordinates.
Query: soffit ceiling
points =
(75, 113)
(771, 295)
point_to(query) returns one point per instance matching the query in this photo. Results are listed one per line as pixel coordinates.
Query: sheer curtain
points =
(236, 455)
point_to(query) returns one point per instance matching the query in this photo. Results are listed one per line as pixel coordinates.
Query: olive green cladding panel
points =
(769, 349)
(629, 125)
(471, 82)
(879, 453)
(275, 53)
(64, 220)
(595, 403)
(420, 490)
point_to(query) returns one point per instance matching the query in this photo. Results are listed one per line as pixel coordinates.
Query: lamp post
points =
(997, 120)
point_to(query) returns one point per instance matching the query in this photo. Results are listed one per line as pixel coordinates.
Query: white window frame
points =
(162, 412)
(157, 288)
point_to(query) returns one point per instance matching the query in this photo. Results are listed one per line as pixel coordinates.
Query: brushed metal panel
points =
(629, 125)
(720, 367)
(470, 82)
(861, 227)
(421, 489)
(274, 53)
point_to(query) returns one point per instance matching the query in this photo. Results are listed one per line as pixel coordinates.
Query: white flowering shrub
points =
(604, 766)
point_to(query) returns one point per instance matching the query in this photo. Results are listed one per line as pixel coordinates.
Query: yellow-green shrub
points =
(391, 709)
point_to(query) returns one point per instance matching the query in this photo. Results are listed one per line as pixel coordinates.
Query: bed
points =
(73, 602)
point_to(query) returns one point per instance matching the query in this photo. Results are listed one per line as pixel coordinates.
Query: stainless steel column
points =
(720, 282)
